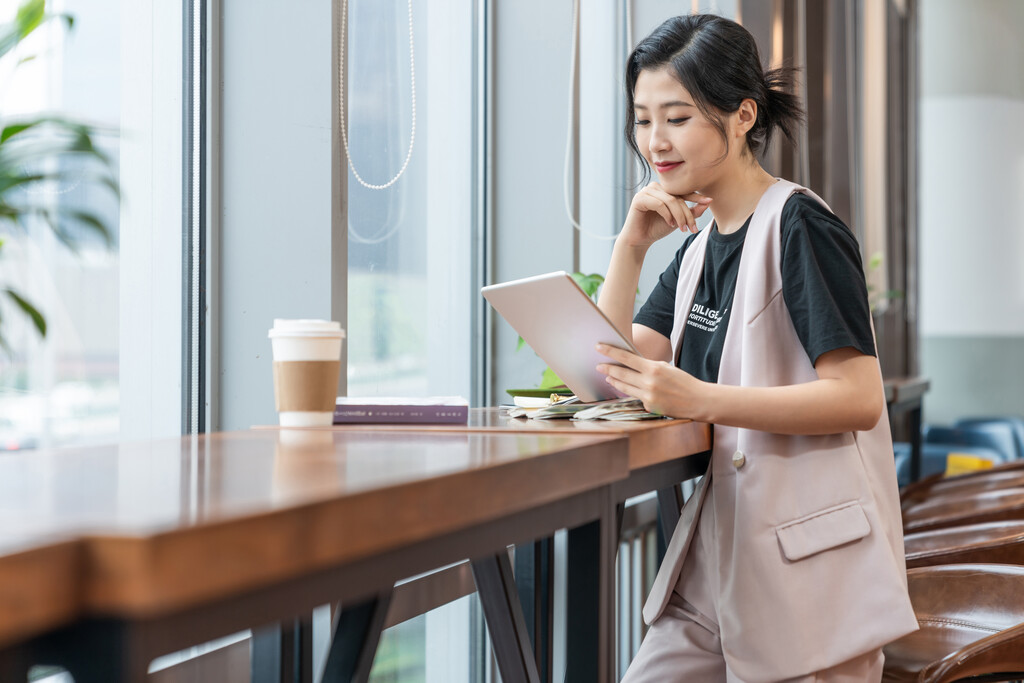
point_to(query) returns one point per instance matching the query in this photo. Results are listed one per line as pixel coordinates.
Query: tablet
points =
(562, 325)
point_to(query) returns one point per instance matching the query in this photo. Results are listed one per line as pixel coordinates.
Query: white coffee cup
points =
(307, 364)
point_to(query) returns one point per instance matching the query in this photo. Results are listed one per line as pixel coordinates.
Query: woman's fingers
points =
(624, 387)
(649, 201)
(699, 208)
(700, 199)
(680, 211)
(627, 358)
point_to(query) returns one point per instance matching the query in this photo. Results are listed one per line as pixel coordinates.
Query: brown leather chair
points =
(972, 626)
(991, 543)
(1000, 505)
(1002, 476)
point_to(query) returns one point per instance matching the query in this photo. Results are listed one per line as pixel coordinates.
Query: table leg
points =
(500, 601)
(590, 644)
(14, 665)
(670, 502)
(535, 584)
(92, 651)
(915, 443)
(355, 633)
(283, 652)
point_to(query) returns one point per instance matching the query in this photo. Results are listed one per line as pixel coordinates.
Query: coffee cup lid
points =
(306, 328)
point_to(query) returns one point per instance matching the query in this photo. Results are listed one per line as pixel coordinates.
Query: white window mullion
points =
(151, 219)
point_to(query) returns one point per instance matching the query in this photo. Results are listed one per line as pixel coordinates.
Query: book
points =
(401, 410)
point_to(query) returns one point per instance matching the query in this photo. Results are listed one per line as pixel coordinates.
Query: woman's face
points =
(678, 141)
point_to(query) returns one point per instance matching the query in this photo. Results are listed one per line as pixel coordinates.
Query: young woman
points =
(788, 561)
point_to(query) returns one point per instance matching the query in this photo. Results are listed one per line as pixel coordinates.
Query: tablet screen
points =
(562, 325)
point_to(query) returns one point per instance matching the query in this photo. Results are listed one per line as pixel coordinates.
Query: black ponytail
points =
(718, 63)
(781, 109)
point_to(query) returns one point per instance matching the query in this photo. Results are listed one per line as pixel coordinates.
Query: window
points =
(411, 109)
(63, 389)
(411, 262)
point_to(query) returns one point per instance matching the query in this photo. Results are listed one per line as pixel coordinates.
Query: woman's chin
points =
(677, 187)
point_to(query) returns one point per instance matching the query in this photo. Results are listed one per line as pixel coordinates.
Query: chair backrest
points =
(997, 481)
(998, 437)
(990, 596)
(990, 543)
(921, 490)
(933, 457)
(971, 618)
(1014, 424)
(991, 506)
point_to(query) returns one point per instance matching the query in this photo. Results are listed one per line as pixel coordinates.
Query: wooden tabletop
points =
(650, 441)
(142, 528)
(39, 586)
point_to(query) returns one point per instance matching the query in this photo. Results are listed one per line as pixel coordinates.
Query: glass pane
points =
(445, 645)
(401, 655)
(64, 388)
(409, 277)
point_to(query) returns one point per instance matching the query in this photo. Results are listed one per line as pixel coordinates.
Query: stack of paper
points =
(570, 407)
(616, 409)
(545, 408)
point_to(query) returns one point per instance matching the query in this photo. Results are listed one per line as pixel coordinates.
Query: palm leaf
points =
(30, 16)
(50, 137)
(27, 146)
(91, 221)
(3, 340)
(37, 318)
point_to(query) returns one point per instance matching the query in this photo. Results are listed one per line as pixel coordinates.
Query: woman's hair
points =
(717, 61)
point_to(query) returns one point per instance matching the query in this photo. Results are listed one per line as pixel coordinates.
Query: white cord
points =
(568, 135)
(629, 26)
(344, 132)
(47, 192)
(341, 101)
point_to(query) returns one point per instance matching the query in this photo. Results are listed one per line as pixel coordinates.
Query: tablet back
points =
(562, 325)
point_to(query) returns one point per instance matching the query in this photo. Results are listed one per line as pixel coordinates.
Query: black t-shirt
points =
(822, 284)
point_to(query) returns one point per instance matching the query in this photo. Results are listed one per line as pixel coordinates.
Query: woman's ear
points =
(745, 117)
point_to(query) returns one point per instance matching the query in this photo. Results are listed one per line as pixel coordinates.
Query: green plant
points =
(877, 298)
(589, 284)
(45, 149)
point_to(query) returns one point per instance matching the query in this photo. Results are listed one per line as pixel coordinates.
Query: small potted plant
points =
(550, 383)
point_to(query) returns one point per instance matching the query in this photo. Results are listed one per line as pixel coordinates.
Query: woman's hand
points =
(663, 388)
(654, 213)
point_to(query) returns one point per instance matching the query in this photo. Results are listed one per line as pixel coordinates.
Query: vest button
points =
(738, 459)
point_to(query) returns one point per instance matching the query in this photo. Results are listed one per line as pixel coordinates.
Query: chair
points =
(1012, 424)
(972, 626)
(991, 506)
(999, 438)
(1004, 475)
(989, 543)
(933, 458)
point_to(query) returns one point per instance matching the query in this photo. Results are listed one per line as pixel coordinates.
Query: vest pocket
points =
(823, 530)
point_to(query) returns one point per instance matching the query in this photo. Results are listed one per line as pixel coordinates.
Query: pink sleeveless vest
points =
(810, 543)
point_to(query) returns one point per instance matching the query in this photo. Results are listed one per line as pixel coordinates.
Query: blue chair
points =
(998, 438)
(933, 458)
(998, 425)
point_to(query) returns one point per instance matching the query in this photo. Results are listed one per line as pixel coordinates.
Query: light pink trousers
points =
(684, 644)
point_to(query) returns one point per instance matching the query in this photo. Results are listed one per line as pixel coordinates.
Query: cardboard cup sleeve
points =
(306, 385)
